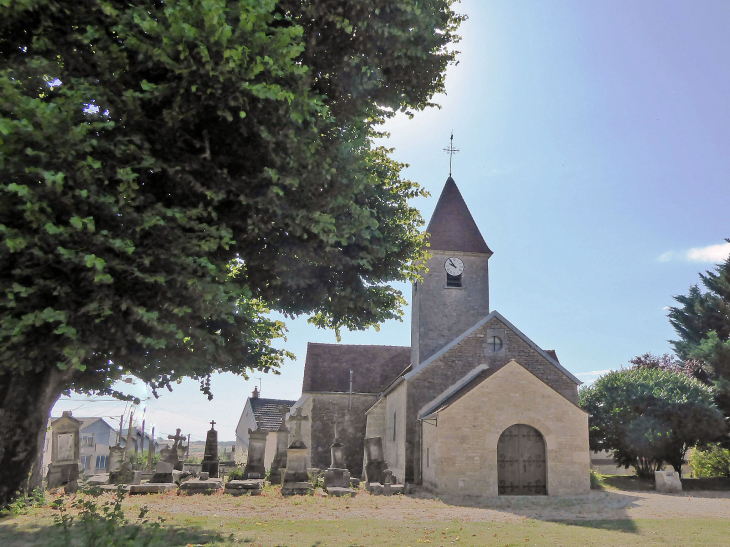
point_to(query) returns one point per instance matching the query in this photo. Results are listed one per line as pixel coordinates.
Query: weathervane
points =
(451, 151)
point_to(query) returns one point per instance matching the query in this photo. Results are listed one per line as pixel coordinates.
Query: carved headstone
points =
(337, 477)
(65, 448)
(210, 458)
(296, 478)
(169, 461)
(278, 464)
(176, 451)
(255, 467)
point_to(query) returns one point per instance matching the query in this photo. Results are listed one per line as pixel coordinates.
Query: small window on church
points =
(427, 459)
(494, 343)
(453, 280)
(394, 415)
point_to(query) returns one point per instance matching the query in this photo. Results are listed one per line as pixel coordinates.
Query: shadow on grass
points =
(587, 511)
(13, 535)
(628, 483)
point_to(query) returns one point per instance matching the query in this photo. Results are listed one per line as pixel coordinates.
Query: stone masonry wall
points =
(467, 449)
(440, 313)
(430, 455)
(376, 421)
(456, 363)
(351, 429)
(394, 450)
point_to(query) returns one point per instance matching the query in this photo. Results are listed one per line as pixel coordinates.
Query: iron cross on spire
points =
(451, 151)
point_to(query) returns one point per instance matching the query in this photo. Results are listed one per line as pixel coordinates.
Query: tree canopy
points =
(702, 322)
(649, 417)
(171, 171)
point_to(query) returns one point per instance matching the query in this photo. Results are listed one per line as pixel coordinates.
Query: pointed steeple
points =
(452, 227)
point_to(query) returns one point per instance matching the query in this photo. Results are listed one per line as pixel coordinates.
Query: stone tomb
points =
(667, 482)
(296, 478)
(374, 461)
(252, 487)
(337, 477)
(278, 464)
(201, 486)
(169, 461)
(210, 458)
(65, 447)
(255, 468)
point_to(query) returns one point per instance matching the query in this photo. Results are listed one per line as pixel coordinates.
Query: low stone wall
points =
(714, 483)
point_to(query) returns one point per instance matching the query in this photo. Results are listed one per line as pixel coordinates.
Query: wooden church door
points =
(521, 466)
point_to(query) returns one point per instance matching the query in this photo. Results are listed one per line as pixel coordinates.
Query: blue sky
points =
(594, 141)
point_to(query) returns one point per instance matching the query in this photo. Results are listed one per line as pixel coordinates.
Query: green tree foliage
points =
(171, 171)
(649, 417)
(710, 461)
(702, 322)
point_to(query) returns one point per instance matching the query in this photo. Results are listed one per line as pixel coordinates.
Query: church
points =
(472, 407)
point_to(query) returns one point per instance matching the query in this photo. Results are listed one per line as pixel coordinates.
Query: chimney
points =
(255, 394)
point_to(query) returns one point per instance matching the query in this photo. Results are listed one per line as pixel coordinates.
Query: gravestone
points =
(337, 477)
(177, 450)
(169, 461)
(255, 467)
(278, 464)
(123, 473)
(375, 462)
(296, 478)
(210, 458)
(65, 447)
(667, 482)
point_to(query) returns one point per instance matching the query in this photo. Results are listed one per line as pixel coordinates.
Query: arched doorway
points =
(521, 468)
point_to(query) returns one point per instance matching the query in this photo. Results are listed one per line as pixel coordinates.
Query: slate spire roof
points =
(452, 227)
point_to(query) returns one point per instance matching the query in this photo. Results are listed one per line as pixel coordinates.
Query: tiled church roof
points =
(452, 227)
(328, 366)
(266, 412)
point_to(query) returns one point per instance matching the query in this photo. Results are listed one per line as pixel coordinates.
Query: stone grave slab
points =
(251, 487)
(339, 492)
(296, 489)
(98, 480)
(151, 488)
(210, 486)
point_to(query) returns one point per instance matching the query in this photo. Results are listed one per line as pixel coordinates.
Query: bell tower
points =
(454, 294)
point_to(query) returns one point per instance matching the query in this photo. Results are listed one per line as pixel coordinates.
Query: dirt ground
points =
(604, 504)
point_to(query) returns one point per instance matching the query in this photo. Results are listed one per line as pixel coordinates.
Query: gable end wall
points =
(430, 382)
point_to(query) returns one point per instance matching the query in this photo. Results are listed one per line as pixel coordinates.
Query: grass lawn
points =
(270, 520)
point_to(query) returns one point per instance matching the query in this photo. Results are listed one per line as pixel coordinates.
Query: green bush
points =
(22, 503)
(711, 461)
(235, 474)
(596, 479)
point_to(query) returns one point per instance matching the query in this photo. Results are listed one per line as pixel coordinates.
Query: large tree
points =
(702, 322)
(171, 171)
(649, 417)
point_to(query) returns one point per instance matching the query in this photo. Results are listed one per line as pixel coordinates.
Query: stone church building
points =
(472, 406)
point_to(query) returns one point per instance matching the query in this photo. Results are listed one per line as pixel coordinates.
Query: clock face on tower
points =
(454, 266)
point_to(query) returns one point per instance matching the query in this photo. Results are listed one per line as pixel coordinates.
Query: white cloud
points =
(711, 253)
(590, 377)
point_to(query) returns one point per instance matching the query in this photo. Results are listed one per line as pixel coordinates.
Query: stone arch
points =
(521, 461)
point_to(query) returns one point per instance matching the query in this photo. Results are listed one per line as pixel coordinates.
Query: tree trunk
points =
(26, 401)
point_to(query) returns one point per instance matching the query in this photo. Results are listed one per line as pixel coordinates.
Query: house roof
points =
(452, 228)
(86, 422)
(327, 367)
(266, 412)
(551, 357)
